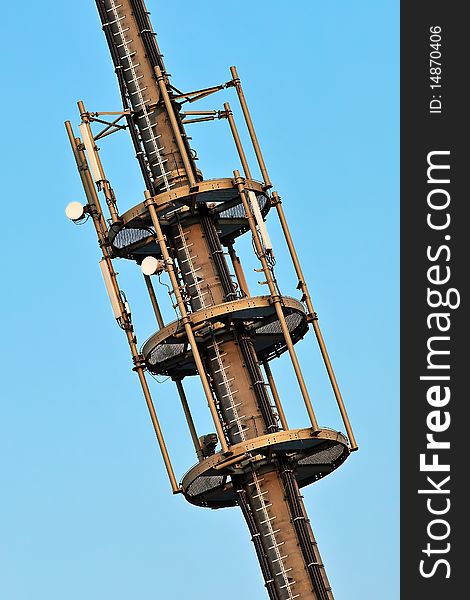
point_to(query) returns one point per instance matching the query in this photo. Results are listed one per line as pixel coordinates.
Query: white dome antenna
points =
(152, 266)
(75, 211)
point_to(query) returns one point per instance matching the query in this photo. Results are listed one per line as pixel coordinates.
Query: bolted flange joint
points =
(139, 362)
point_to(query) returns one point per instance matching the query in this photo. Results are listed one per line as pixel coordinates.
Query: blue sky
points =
(85, 508)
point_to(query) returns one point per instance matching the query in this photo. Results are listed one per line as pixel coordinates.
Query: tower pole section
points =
(226, 359)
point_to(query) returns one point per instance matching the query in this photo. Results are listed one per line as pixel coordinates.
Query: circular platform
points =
(134, 238)
(312, 455)
(167, 351)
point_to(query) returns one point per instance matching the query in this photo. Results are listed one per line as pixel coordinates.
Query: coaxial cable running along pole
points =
(182, 233)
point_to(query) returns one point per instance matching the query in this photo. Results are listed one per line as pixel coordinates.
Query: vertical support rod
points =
(175, 127)
(334, 384)
(108, 192)
(276, 300)
(178, 382)
(239, 273)
(153, 416)
(251, 129)
(98, 218)
(154, 301)
(236, 138)
(189, 419)
(186, 320)
(277, 399)
(276, 200)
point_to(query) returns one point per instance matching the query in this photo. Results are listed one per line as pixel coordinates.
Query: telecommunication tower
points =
(185, 229)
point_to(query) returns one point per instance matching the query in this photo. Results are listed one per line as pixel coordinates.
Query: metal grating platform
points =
(167, 353)
(312, 457)
(133, 238)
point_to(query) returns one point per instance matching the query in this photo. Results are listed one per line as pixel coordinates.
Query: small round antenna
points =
(151, 265)
(74, 211)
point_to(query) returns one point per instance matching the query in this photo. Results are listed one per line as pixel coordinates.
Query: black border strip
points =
(434, 233)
